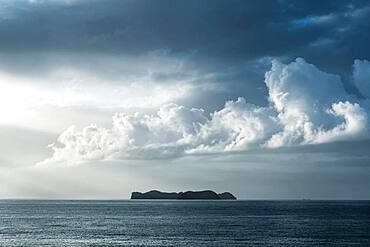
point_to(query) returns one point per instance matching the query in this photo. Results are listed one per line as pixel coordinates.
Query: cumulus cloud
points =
(307, 106)
(307, 102)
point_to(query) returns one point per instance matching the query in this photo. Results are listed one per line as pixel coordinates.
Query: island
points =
(187, 195)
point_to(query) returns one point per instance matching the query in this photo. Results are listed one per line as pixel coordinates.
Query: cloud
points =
(308, 103)
(361, 76)
(137, 28)
(307, 106)
(118, 42)
(54, 1)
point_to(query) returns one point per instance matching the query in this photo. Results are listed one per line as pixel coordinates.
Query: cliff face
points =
(188, 195)
(227, 196)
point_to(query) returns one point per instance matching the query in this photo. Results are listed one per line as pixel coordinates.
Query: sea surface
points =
(184, 223)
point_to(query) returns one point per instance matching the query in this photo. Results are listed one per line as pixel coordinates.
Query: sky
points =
(265, 99)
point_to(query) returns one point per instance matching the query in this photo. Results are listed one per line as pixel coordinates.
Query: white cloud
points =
(353, 126)
(303, 96)
(307, 106)
(238, 126)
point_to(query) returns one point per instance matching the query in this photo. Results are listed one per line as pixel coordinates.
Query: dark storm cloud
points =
(225, 29)
(226, 38)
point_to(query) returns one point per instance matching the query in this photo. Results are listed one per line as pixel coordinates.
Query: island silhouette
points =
(187, 195)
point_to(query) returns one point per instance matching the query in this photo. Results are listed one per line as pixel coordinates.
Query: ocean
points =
(31, 223)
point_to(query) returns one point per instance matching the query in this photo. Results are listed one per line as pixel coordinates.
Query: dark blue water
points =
(184, 223)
